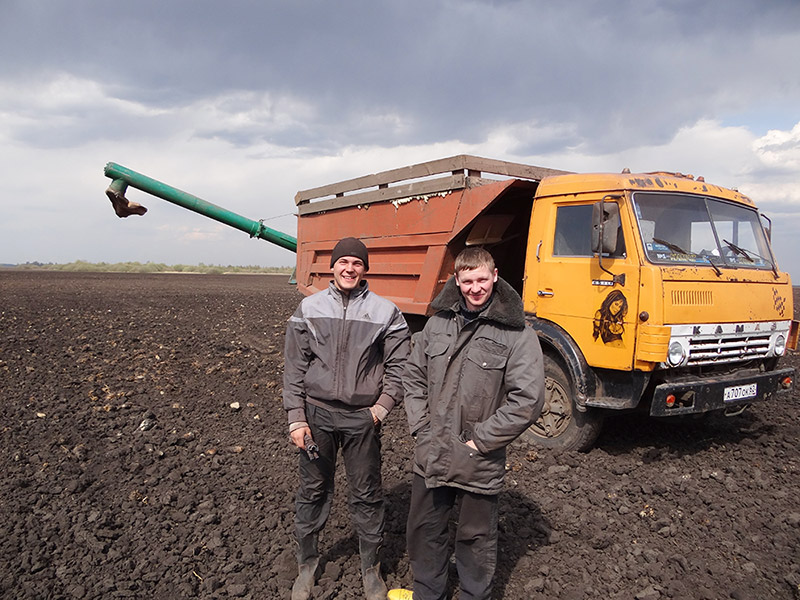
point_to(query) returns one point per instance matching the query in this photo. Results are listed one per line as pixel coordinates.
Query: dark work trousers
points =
(428, 537)
(359, 440)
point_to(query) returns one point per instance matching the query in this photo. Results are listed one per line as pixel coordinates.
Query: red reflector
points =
(786, 382)
(670, 400)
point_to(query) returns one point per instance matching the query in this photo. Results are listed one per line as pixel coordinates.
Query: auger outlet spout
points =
(123, 177)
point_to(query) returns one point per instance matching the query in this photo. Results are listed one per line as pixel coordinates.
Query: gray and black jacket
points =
(344, 353)
(481, 380)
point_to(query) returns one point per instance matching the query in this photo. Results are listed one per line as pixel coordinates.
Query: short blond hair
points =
(473, 258)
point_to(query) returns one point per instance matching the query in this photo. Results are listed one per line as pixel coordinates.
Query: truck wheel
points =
(561, 426)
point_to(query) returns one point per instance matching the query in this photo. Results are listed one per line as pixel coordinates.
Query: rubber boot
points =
(374, 586)
(308, 568)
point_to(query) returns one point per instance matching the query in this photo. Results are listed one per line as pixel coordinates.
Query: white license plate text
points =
(738, 392)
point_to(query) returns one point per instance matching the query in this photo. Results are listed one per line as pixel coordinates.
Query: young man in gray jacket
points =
(344, 354)
(473, 383)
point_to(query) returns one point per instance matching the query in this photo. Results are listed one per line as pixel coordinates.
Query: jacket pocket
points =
(473, 470)
(436, 349)
(487, 359)
(318, 380)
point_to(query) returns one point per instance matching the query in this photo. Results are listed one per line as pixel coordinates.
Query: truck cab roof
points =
(579, 183)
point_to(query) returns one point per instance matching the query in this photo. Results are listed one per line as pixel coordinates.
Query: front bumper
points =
(707, 394)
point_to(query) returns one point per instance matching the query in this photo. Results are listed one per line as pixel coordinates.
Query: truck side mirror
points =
(605, 227)
(605, 230)
(768, 227)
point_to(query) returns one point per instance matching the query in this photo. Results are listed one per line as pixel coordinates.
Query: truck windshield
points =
(689, 229)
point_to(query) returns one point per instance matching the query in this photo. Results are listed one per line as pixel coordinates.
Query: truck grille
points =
(729, 348)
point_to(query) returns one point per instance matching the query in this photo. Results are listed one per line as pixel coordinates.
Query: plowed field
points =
(144, 455)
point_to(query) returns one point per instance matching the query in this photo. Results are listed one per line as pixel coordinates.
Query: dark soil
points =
(127, 473)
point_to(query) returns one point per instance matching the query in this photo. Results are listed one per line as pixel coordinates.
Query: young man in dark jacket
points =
(473, 383)
(344, 354)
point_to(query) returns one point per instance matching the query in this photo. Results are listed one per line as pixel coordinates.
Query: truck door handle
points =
(544, 294)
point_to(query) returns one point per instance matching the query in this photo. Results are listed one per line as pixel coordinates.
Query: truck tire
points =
(561, 425)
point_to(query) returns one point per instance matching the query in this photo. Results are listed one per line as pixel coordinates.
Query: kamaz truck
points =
(654, 292)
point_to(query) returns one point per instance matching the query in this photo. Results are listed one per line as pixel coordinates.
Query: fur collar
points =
(506, 306)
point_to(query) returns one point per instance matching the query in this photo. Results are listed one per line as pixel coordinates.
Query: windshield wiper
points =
(670, 245)
(742, 252)
(739, 251)
(713, 264)
(678, 249)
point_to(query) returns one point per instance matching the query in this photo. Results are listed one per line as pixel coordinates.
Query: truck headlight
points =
(780, 344)
(676, 353)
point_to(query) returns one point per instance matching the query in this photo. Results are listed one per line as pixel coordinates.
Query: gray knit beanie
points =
(350, 246)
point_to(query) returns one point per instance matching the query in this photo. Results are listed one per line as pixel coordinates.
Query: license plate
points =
(738, 392)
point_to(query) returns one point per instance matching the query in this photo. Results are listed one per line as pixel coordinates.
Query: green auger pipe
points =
(123, 177)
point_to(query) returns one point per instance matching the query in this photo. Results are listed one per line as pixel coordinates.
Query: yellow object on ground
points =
(400, 594)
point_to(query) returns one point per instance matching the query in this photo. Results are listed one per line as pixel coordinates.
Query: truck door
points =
(566, 284)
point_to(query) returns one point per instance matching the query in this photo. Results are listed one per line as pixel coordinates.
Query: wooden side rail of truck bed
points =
(415, 180)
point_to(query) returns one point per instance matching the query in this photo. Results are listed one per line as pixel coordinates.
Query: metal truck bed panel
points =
(412, 243)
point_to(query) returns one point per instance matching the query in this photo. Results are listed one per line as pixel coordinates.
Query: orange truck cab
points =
(682, 310)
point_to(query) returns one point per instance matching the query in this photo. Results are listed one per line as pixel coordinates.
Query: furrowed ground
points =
(129, 471)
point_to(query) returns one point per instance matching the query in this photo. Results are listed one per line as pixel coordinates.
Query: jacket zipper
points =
(337, 379)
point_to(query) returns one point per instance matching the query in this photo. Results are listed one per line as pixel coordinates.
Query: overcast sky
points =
(245, 103)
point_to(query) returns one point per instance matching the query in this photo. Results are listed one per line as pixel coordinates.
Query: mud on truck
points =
(654, 292)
